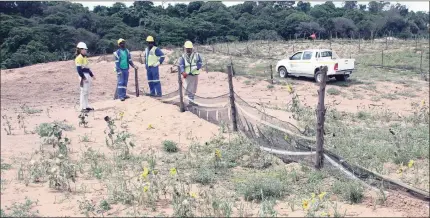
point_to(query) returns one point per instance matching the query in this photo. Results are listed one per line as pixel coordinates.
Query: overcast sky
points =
(412, 5)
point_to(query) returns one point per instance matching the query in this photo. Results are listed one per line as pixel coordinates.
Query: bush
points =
(333, 91)
(204, 175)
(262, 188)
(170, 146)
(350, 191)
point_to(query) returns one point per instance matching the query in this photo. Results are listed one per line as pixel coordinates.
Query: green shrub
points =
(170, 146)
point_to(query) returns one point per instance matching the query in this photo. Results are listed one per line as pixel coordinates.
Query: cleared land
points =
(180, 165)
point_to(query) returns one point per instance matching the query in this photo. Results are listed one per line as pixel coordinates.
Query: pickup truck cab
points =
(307, 63)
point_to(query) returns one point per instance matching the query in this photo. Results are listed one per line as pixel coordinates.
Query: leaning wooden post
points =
(382, 54)
(136, 82)
(232, 104)
(386, 42)
(359, 42)
(271, 72)
(181, 95)
(320, 120)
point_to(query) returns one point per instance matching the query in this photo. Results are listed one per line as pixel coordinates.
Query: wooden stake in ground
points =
(232, 104)
(382, 54)
(271, 74)
(320, 120)
(181, 95)
(136, 81)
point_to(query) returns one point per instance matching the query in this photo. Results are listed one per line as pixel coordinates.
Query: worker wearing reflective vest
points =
(189, 65)
(122, 62)
(153, 58)
(85, 75)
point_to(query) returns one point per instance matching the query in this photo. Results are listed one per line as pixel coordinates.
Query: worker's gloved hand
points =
(118, 72)
(135, 67)
(156, 64)
(184, 75)
(194, 68)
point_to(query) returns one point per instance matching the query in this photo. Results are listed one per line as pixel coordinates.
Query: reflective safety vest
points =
(151, 58)
(191, 63)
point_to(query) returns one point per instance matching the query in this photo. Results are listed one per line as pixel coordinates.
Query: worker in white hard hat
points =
(85, 75)
(189, 65)
(122, 62)
(153, 58)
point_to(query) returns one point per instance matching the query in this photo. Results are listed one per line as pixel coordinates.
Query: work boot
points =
(89, 109)
(127, 97)
(122, 99)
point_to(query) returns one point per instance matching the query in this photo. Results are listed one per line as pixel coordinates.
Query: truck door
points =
(295, 62)
(305, 66)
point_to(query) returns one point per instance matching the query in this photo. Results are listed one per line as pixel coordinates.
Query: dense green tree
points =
(35, 32)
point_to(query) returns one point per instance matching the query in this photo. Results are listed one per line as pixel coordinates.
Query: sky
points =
(412, 5)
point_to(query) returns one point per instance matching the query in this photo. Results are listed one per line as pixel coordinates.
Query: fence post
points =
(136, 82)
(359, 42)
(181, 95)
(386, 42)
(271, 71)
(421, 62)
(232, 104)
(382, 54)
(320, 120)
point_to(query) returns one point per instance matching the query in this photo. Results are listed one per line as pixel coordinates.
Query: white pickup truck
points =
(307, 63)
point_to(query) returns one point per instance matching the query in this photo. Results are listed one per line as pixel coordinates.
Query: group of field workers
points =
(190, 64)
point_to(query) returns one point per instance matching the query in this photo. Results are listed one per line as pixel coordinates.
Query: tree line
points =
(37, 32)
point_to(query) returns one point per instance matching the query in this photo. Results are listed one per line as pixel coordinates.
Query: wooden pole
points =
(271, 71)
(320, 120)
(232, 104)
(382, 58)
(359, 42)
(421, 62)
(386, 42)
(181, 95)
(136, 82)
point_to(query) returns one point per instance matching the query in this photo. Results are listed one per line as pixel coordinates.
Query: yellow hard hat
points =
(188, 44)
(121, 40)
(149, 39)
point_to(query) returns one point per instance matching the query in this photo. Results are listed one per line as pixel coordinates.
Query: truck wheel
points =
(283, 72)
(341, 77)
(318, 76)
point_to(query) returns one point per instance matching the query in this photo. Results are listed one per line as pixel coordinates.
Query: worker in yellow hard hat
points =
(122, 62)
(190, 64)
(153, 58)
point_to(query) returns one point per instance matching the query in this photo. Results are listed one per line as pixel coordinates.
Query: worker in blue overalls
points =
(153, 58)
(122, 62)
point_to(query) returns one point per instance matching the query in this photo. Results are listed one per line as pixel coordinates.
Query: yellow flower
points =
(321, 195)
(121, 114)
(218, 153)
(411, 163)
(150, 127)
(286, 138)
(289, 88)
(145, 173)
(400, 170)
(173, 171)
(423, 102)
(305, 204)
(313, 195)
(193, 194)
(145, 188)
(324, 214)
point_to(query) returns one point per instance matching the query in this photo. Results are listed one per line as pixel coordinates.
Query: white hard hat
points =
(82, 45)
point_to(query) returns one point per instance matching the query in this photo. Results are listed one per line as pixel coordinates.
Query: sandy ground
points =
(55, 86)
